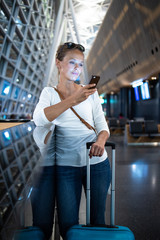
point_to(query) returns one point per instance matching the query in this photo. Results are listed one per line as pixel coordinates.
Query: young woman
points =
(71, 138)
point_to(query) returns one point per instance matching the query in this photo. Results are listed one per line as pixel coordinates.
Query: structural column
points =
(159, 98)
(108, 106)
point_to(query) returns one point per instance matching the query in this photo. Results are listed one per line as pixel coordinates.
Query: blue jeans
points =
(69, 182)
(43, 201)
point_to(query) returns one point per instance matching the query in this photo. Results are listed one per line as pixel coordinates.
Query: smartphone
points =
(94, 79)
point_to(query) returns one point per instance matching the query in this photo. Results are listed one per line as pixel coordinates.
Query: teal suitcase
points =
(82, 232)
(29, 233)
(111, 232)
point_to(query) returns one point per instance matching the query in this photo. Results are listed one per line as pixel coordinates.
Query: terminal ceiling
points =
(121, 39)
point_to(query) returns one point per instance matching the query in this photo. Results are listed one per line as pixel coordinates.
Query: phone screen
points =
(94, 79)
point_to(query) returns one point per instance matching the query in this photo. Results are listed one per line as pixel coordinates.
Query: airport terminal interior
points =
(122, 46)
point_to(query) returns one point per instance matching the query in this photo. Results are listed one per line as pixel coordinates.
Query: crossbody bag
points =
(81, 119)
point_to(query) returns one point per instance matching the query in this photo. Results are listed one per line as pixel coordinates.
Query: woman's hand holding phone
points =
(95, 80)
(83, 93)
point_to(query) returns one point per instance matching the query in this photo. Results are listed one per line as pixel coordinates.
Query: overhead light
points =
(137, 83)
(29, 129)
(6, 134)
(6, 90)
(29, 95)
(153, 78)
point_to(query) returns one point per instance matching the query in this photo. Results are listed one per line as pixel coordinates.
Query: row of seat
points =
(148, 128)
(117, 123)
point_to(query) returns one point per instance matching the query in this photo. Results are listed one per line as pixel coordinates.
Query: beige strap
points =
(81, 119)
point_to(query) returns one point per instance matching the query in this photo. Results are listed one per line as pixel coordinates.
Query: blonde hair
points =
(66, 47)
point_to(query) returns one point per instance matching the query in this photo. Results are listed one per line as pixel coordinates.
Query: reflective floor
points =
(138, 189)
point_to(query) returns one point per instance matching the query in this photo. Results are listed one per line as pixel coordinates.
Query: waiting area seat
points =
(117, 126)
(151, 128)
(148, 128)
(142, 133)
(136, 129)
(115, 123)
(122, 122)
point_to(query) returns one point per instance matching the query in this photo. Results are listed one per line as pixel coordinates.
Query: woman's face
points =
(71, 66)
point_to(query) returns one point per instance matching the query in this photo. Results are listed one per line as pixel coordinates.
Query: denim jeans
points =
(69, 182)
(43, 201)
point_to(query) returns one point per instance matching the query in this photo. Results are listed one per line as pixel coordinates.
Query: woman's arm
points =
(52, 112)
(45, 112)
(97, 148)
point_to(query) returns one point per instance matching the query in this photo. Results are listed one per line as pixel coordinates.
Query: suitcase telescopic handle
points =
(112, 212)
(107, 144)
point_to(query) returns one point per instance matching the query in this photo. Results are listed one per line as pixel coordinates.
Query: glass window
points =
(27, 83)
(9, 4)
(1, 100)
(6, 106)
(21, 23)
(6, 48)
(24, 160)
(32, 29)
(32, 21)
(9, 70)
(29, 96)
(3, 162)
(24, 129)
(26, 50)
(21, 108)
(21, 147)
(10, 155)
(3, 16)
(19, 79)
(22, 2)
(20, 18)
(34, 99)
(33, 61)
(40, 83)
(23, 65)
(25, 10)
(26, 109)
(6, 137)
(35, 78)
(29, 35)
(16, 133)
(38, 68)
(3, 20)
(30, 72)
(1, 40)
(32, 87)
(13, 107)
(6, 89)
(17, 39)
(4, 116)
(16, 92)
(24, 96)
(13, 53)
(36, 16)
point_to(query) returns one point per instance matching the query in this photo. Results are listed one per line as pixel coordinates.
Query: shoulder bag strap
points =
(81, 119)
